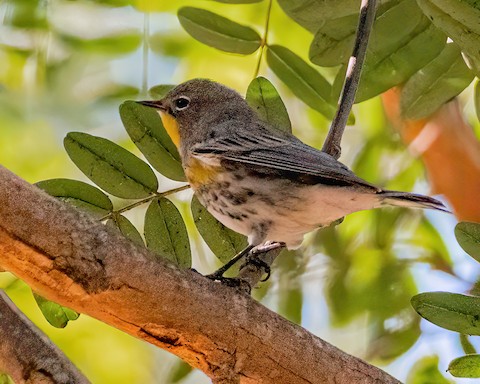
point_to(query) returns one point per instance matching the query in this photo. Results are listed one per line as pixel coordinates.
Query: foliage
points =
(457, 312)
(366, 272)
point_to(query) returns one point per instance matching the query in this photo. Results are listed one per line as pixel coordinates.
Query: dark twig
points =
(354, 69)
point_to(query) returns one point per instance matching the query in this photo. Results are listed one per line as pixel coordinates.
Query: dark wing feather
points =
(282, 152)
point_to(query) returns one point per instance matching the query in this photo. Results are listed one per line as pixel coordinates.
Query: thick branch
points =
(27, 355)
(70, 258)
(354, 69)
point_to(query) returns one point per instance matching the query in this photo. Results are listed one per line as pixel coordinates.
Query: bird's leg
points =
(218, 274)
(252, 257)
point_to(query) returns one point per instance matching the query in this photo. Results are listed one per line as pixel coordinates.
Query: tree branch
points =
(27, 355)
(70, 258)
(347, 97)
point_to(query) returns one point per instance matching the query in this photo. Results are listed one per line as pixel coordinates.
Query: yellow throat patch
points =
(171, 126)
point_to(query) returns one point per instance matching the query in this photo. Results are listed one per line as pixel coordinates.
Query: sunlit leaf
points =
(160, 91)
(126, 228)
(6, 379)
(56, 315)
(219, 32)
(433, 85)
(223, 242)
(468, 236)
(459, 19)
(145, 128)
(166, 233)
(111, 167)
(465, 366)
(425, 371)
(303, 80)
(265, 100)
(452, 311)
(238, 1)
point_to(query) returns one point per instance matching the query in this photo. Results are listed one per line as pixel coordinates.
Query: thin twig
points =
(264, 39)
(143, 201)
(354, 69)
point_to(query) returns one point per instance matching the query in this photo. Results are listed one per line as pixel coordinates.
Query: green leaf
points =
(56, 315)
(166, 233)
(265, 100)
(145, 128)
(392, 64)
(433, 85)
(238, 1)
(77, 190)
(452, 311)
(6, 379)
(459, 19)
(126, 228)
(111, 167)
(466, 366)
(477, 98)
(109, 45)
(219, 32)
(425, 371)
(303, 80)
(179, 371)
(223, 242)
(160, 91)
(468, 236)
(309, 13)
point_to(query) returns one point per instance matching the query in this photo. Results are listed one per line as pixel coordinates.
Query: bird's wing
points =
(264, 149)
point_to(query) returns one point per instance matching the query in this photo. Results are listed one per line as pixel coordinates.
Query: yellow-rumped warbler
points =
(258, 180)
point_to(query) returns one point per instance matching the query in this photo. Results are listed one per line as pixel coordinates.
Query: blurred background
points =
(68, 65)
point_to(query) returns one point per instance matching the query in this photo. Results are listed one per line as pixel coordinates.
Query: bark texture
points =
(27, 354)
(68, 257)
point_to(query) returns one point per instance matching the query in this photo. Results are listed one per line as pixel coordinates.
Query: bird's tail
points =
(412, 200)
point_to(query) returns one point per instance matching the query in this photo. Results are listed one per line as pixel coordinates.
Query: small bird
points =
(258, 180)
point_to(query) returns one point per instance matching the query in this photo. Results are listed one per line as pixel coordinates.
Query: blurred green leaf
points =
(467, 346)
(265, 100)
(468, 236)
(238, 1)
(476, 97)
(219, 32)
(55, 314)
(76, 190)
(433, 85)
(178, 372)
(303, 80)
(452, 311)
(109, 45)
(111, 167)
(26, 15)
(145, 128)
(223, 242)
(290, 292)
(166, 233)
(465, 366)
(126, 228)
(425, 371)
(5, 379)
(459, 19)
(160, 91)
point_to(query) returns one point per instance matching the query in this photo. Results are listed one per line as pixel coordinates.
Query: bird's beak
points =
(157, 104)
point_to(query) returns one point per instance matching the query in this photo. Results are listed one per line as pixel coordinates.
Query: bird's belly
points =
(279, 210)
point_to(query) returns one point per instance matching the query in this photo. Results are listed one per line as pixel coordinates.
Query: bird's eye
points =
(182, 103)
